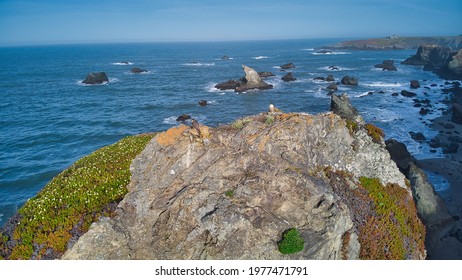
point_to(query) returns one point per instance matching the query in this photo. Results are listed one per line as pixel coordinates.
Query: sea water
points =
(49, 119)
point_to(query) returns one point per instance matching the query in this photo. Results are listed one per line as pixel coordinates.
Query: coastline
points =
(449, 167)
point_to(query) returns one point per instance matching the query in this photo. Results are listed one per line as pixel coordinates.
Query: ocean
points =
(49, 119)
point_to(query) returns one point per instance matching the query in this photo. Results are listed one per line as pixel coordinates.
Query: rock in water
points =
(433, 55)
(95, 78)
(341, 105)
(252, 81)
(349, 81)
(136, 70)
(414, 84)
(233, 196)
(453, 69)
(287, 66)
(387, 65)
(289, 77)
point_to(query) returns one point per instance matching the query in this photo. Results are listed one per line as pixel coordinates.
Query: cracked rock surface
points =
(230, 192)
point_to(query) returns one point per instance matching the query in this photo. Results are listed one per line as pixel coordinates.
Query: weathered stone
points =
(433, 55)
(341, 105)
(252, 81)
(415, 84)
(406, 93)
(289, 77)
(388, 65)
(95, 78)
(231, 195)
(287, 66)
(266, 74)
(349, 81)
(137, 70)
(183, 118)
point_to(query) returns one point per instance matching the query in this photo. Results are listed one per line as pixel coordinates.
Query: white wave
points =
(259, 57)
(122, 63)
(198, 64)
(329, 53)
(212, 89)
(81, 83)
(362, 94)
(382, 84)
(337, 68)
(318, 93)
(141, 73)
(170, 120)
(309, 49)
(111, 80)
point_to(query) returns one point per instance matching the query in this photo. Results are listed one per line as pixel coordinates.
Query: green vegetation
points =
(269, 120)
(75, 198)
(239, 124)
(376, 133)
(352, 126)
(229, 193)
(291, 242)
(395, 230)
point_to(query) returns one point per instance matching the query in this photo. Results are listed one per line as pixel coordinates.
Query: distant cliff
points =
(240, 190)
(398, 43)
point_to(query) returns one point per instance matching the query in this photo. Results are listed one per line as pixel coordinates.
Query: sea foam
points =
(122, 63)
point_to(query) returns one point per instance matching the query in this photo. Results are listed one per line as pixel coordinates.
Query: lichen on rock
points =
(234, 196)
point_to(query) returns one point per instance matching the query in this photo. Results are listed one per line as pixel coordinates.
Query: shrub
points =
(376, 133)
(352, 126)
(291, 242)
(239, 124)
(74, 199)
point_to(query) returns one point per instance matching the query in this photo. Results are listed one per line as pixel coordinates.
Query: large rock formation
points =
(453, 69)
(95, 78)
(340, 105)
(434, 56)
(429, 205)
(252, 80)
(388, 65)
(230, 192)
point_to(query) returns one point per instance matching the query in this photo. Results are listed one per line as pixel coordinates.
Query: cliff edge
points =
(232, 192)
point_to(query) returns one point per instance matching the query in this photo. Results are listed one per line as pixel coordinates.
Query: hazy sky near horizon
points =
(82, 21)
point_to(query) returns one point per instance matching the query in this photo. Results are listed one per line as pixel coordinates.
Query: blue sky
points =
(80, 21)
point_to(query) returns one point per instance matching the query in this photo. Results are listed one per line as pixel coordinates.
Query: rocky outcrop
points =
(453, 69)
(231, 84)
(230, 192)
(95, 78)
(429, 205)
(289, 77)
(137, 70)
(388, 65)
(400, 42)
(349, 81)
(406, 93)
(434, 56)
(265, 74)
(457, 113)
(414, 84)
(252, 80)
(341, 105)
(287, 66)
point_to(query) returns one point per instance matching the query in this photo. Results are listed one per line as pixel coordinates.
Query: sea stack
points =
(252, 81)
(95, 78)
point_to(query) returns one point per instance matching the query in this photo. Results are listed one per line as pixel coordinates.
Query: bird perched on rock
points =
(271, 108)
(195, 124)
